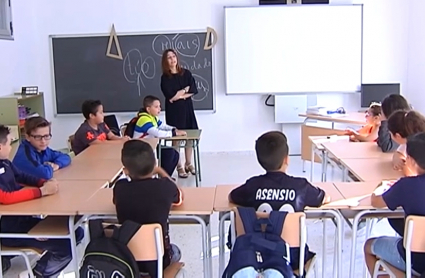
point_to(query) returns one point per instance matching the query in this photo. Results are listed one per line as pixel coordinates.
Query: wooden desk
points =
(353, 190)
(71, 194)
(361, 150)
(109, 150)
(356, 118)
(197, 201)
(192, 134)
(371, 169)
(89, 169)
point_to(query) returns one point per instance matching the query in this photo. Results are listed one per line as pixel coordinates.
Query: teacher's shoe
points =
(190, 169)
(181, 172)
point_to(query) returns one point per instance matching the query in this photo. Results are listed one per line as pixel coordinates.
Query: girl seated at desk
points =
(369, 132)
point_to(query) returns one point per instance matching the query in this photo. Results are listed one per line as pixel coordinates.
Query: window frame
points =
(6, 33)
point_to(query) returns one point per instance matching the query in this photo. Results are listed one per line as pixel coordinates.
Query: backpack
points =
(261, 247)
(110, 257)
(130, 126)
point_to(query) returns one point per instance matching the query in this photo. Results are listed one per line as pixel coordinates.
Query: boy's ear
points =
(286, 160)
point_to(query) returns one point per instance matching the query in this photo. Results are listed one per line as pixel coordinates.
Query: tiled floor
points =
(235, 169)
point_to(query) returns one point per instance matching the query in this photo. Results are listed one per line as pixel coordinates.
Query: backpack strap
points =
(249, 219)
(96, 229)
(277, 219)
(127, 230)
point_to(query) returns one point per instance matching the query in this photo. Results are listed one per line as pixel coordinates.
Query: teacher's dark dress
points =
(180, 113)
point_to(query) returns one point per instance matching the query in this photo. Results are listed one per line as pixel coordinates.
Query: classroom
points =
(98, 94)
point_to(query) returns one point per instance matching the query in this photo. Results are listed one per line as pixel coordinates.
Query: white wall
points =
(17, 57)
(26, 61)
(416, 52)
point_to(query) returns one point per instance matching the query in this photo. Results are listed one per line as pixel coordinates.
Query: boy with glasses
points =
(34, 155)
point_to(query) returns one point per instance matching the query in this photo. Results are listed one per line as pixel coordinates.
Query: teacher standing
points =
(178, 87)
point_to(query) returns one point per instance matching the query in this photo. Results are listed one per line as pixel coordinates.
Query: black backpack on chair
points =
(110, 256)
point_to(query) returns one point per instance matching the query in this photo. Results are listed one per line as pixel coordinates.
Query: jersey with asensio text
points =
(278, 191)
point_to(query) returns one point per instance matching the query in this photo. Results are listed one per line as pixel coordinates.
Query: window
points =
(6, 27)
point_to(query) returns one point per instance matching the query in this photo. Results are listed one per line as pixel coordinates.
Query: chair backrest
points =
(292, 228)
(112, 122)
(413, 230)
(145, 243)
(71, 141)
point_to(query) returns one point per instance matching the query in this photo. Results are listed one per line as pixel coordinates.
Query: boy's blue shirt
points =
(31, 161)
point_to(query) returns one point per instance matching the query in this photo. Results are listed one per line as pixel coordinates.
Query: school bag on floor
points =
(110, 256)
(261, 247)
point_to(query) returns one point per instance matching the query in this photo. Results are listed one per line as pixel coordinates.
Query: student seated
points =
(148, 125)
(34, 155)
(401, 125)
(93, 130)
(58, 253)
(146, 200)
(389, 105)
(276, 190)
(369, 132)
(406, 193)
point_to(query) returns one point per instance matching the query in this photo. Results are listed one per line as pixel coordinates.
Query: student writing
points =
(406, 193)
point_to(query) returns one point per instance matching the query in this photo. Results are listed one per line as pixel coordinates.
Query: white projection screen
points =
(293, 49)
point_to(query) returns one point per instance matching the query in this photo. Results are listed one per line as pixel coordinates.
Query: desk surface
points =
(357, 118)
(371, 169)
(221, 201)
(109, 150)
(197, 201)
(318, 141)
(71, 194)
(192, 134)
(356, 190)
(344, 149)
(89, 169)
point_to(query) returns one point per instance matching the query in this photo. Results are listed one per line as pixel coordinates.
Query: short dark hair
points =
(392, 103)
(4, 131)
(90, 107)
(271, 148)
(138, 158)
(33, 123)
(406, 123)
(415, 148)
(148, 101)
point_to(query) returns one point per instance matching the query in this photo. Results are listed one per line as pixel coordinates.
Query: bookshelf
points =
(9, 114)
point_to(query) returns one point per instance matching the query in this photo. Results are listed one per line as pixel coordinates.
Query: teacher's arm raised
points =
(167, 89)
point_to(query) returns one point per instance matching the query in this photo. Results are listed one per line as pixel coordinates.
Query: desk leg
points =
(356, 222)
(205, 239)
(338, 247)
(195, 158)
(158, 150)
(324, 248)
(312, 162)
(324, 165)
(222, 241)
(199, 160)
(73, 241)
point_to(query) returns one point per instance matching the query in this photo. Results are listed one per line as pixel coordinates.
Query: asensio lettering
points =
(275, 195)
